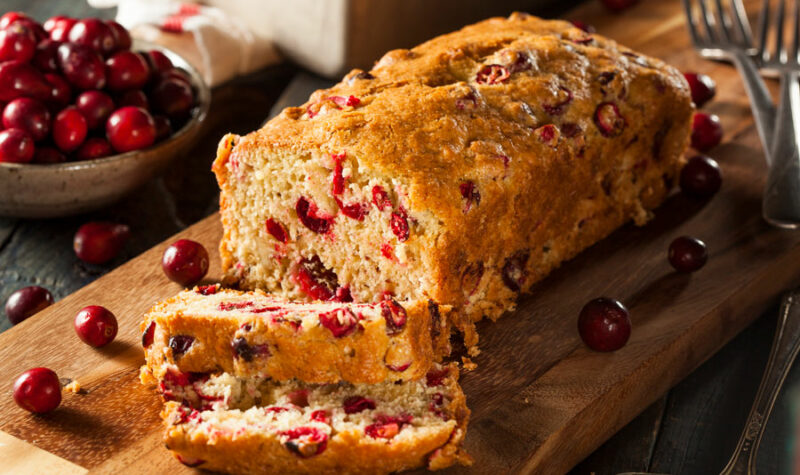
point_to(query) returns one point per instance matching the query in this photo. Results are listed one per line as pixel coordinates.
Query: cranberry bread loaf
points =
(209, 329)
(255, 425)
(462, 170)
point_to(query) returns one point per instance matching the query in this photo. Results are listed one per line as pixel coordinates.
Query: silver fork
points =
(721, 32)
(781, 201)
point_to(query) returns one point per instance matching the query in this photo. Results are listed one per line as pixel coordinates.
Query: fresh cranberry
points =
(180, 344)
(95, 34)
(126, 70)
(687, 254)
(21, 79)
(356, 404)
(277, 230)
(185, 262)
(305, 441)
(492, 74)
(163, 127)
(176, 74)
(149, 334)
(130, 128)
(470, 194)
(706, 131)
(82, 66)
(99, 242)
(395, 316)
(604, 324)
(38, 390)
(122, 38)
(341, 322)
(609, 120)
(51, 23)
(133, 98)
(514, 271)
(619, 5)
(307, 213)
(27, 301)
(46, 57)
(16, 146)
(60, 28)
(702, 86)
(31, 25)
(48, 155)
(701, 177)
(399, 223)
(158, 61)
(584, 26)
(10, 17)
(17, 43)
(93, 148)
(315, 280)
(28, 115)
(60, 91)
(172, 98)
(380, 198)
(96, 326)
(95, 106)
(69, 129)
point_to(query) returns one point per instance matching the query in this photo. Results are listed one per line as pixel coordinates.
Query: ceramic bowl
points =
(62, 189)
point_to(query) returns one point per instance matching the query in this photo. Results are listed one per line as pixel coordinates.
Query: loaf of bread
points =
(257, 425)
(462, 170)
(209, 329)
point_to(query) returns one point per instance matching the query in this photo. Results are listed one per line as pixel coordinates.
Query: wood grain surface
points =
(541, 401)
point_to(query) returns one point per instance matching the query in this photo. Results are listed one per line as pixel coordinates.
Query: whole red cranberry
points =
(19, 79)
(703, 88)
(706, 131)
(46, 57)
(130, 128)
(60, 28)
(31, 25)
(69, 129)
(121, 36)
(163, 127)
(619, 5)
(133, 98)
(158, 61)
(51, 23)
(185, 262)
(96, 326)
(172, 98)
(10, 17)
(604, 324)
(16, 146)
(95, 34)
(687, 254)
(48, 155)
(38, 390)
(126, 70)
(29, 115)
(60, 92)
(93, 148)
(99, 242)
(82, 66)
(17, 43)
(176, 73)
(95, 106)
(701, 177)
(27, 301)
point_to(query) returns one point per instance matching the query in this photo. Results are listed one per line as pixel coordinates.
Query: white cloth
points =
(219, 45)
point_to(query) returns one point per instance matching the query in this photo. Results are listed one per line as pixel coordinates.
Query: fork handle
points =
(760, 99)
(785, 346)
(781, 203)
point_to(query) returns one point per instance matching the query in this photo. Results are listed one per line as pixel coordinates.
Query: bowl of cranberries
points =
(87, 114)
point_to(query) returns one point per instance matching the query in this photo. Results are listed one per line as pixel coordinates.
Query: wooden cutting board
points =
(540, 400)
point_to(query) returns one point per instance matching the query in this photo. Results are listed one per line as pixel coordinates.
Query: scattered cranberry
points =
(604, 324)
(27, 301)
(93, 33)
(82, 66)
(619, 5)
(172, 98)
(126, 70)
(46, 57)
(60, 28)
(94, 148)
(96, 326)
(48, 155)
(69, 129)
(38, 390)
(17, 43)
(701, 177)
(130, 128)
(687, 254)
(28, 115)
(706, 131)
(185, 262)
(99, 242)
(21, 79)
(16, 146)
(702, 86)
(95, 106)
(121, 36)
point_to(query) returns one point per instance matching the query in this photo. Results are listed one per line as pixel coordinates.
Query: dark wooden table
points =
(691, 430)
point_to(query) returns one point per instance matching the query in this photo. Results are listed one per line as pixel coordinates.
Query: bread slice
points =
(462, 170)
(209, 329)
(256, 425)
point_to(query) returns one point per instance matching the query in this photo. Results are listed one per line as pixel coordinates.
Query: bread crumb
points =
(74, 387)
(468, 364)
